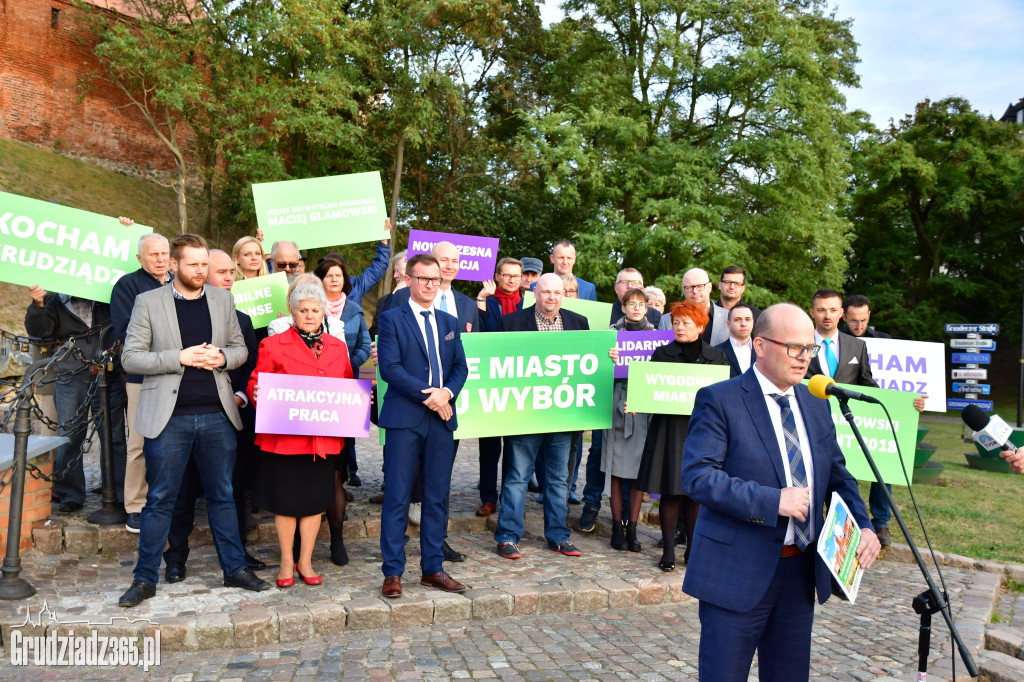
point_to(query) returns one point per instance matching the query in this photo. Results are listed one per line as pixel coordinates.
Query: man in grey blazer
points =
(697, 288)
(183, 339)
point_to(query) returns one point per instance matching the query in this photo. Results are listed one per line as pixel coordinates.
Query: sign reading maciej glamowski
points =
(328, 211)
(533, 382)
(64, 249)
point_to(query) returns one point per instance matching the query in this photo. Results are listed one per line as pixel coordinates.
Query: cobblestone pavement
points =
(605, 616)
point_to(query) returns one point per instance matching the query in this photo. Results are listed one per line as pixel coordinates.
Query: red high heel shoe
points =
(285, 582)
(314, 580)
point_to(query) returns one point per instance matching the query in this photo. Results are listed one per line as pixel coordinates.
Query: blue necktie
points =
(435, 369)
(444, 304)
(796, 464)
(830, 358)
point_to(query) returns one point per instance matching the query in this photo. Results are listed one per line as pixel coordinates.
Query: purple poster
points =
(477, 255)
(301, 405)
(638, 346)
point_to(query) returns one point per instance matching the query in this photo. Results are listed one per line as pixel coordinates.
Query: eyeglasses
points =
(424, 281)
(631, 282)
(795, 350)
(285, 266)
(572, 291)
(695, 287)
(510, 278)
(636, 305)
(731, 283)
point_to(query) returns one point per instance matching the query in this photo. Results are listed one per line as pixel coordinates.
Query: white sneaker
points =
(415, 511)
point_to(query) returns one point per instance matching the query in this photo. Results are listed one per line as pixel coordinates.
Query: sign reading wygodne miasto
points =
(312, 406)
(262, 298)
(64, 249)
(669, 387)
(477, 255)
(533, 382)
(328, 211)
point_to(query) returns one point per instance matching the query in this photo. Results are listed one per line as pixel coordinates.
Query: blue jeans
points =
(525, 451)
(594, 488)
(880, 512)
(66, 399)
(210, 440)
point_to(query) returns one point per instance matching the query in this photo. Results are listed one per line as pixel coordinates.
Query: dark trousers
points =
(425, 449)
(209, 439)
(67, 398)
(490, 455)
(778, 629)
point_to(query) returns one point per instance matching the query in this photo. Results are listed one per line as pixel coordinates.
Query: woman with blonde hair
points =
(250, 261)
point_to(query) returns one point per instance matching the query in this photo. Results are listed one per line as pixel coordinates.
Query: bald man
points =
(697, 287)
(762, 460)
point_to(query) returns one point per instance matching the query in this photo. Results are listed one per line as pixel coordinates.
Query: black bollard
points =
(12, 585)
(111, 513)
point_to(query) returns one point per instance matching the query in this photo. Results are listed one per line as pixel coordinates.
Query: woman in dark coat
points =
(662, 461)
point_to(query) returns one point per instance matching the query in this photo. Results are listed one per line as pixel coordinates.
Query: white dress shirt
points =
(449, 298)
(775, 411)
(742, 351)
(822, 362)
(417, 309)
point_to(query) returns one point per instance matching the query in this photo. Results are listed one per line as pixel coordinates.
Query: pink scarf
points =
(334, 309)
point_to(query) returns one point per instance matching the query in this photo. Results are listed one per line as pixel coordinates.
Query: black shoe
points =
(339, 555)
(354, 480)
(884, 536)
(252, 562)
(533, 486)
(587, 520)
(631, 540)
(139, 592)
(667, 566)
(618, 541)
(247, 580)
(133, 523)
(450, 554)
(174, 573)
(69, 507)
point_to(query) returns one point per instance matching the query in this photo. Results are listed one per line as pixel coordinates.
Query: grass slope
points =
(43, 174)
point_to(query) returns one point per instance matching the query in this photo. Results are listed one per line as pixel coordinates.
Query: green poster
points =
(262, 298)
(598, 314)
(669, 387)
(63, 249)
(874, 429)
(328, 211)
(382, 388)
(534, 382)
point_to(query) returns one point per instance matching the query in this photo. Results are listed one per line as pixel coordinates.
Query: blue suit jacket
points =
(732, 466)
(730, 355)
(406, 369)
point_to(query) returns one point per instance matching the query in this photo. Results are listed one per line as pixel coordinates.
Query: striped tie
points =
(796, 465)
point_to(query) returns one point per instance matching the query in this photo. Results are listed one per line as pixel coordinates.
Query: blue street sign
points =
(972, 358)
(983, 389)
(961, 403)
(990, 328)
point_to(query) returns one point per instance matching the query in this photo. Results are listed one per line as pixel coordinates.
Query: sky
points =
(915, 49)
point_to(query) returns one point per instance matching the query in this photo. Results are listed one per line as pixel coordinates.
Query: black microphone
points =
(822, 386)
(989, 432)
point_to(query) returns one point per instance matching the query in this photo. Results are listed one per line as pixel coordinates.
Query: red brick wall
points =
(36, 504)
(42, 71)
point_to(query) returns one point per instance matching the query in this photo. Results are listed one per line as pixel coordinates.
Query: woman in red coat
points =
(296, 473)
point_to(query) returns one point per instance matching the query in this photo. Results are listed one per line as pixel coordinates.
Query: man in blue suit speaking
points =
(421, 359)
(762, 459)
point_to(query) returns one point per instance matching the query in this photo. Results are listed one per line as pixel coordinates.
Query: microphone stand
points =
(931, 600)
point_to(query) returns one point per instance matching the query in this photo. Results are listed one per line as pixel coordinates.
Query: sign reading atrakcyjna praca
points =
(63, 249)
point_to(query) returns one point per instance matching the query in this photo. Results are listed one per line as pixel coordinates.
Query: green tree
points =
(682, 133)
(937, 204)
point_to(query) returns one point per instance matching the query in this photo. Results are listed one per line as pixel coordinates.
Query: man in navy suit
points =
(762, 460)
(738, 348)
(421, 359)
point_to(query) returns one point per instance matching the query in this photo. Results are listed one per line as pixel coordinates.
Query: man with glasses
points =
(626, 280)
(546, 315)
(285, 257)
(697, 288)
(762, 460)
(857, 313)
(421, 359)
(731, 287)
